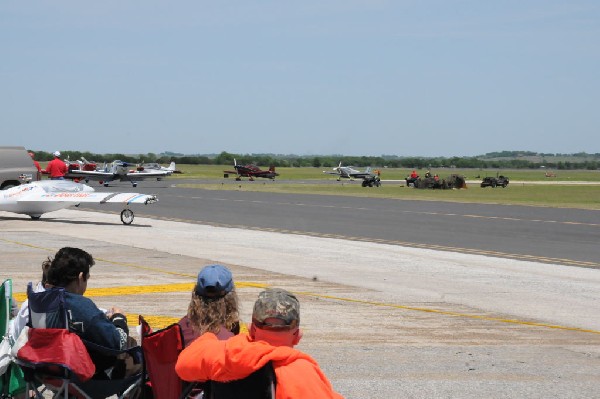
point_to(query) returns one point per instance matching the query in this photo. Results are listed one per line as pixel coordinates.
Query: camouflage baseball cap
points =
(279, 304)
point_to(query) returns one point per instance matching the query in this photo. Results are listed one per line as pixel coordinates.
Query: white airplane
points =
(156, 166)
(119, 171)
(39, 197)
(348, 172)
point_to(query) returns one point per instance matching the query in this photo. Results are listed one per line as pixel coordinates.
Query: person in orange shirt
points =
(274, 331)
(56, 168)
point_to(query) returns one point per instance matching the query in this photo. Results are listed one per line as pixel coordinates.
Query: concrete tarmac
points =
(383, 321)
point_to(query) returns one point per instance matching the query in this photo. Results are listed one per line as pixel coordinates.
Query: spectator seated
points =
(57, 359)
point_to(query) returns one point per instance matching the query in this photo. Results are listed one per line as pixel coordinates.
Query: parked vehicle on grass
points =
(453, 181)
(494, 182)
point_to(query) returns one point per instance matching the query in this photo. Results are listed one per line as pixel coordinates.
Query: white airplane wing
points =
(141, 175)
(89, 175)
(91, 197)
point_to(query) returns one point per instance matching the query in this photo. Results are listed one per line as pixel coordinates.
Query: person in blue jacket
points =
(70, 269)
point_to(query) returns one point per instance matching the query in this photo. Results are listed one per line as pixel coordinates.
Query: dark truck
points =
(495, 181)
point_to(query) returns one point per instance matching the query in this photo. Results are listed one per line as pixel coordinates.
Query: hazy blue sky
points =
(352, 77)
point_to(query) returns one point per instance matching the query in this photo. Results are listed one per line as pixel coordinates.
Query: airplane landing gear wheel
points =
(134, 184)
(127, 216)
(35, 217)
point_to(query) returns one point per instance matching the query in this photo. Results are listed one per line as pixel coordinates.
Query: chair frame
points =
(61, 380)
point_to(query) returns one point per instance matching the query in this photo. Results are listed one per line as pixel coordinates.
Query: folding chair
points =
(45, 365)
(11, 376)
(161, 349)
(259, 385)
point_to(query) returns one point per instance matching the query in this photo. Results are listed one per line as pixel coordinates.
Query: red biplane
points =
(250, 171)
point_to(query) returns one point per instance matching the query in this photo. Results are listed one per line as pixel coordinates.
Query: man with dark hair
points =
(70, 269)
(275, 329)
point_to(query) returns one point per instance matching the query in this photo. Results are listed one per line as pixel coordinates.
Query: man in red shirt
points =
(56, 168)
(37, 166)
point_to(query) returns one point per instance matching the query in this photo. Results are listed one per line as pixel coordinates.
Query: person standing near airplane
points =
(37, 166)
(56, 168)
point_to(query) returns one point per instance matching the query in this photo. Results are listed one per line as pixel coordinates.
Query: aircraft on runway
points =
(156, 166)
(39, 197)
(118, 171)
(348, 172)
(251, 171)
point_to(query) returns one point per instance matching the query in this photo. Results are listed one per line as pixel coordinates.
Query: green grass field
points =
(216, 172)
(551, 195)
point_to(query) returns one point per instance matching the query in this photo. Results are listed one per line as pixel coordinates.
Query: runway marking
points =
(187, 287)
(449, 313)
(162, 321)
(145, 289)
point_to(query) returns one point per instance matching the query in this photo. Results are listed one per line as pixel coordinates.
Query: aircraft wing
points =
(361, 174)
(148, 175)
(89, 175)
(91, 197)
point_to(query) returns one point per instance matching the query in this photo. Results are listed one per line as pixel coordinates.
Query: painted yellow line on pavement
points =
(187, 287)
(449, 313)
(144, 290)
(158, 322)
(163, 321)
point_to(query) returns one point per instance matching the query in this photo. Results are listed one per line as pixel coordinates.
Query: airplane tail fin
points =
(272, 168)
(171, 167)
(368, 170)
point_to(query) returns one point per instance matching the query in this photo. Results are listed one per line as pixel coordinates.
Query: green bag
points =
(12, 381)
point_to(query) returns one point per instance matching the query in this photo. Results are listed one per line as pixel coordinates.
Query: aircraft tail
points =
(272, 168)
(171, 167)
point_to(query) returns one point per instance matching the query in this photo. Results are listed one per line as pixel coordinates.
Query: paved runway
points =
(552, 235)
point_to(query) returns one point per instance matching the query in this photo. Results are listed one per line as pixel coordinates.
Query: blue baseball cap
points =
(214, 281)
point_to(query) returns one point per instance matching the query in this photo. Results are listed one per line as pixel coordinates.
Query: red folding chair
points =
(161, 349)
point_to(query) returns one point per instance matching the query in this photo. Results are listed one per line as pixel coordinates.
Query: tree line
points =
(497, 160)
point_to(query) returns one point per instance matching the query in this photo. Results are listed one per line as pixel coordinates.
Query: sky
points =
(351, 77)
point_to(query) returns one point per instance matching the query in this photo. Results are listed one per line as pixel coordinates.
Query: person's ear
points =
(297, 337)
(81, 277)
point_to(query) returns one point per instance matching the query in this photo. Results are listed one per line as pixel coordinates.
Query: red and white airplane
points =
(39, 197)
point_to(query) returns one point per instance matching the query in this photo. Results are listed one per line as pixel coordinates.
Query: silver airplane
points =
(119, 171)
(348, 172)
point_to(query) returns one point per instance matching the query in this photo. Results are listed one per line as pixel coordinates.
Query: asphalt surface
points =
(554, 235)
(383, 319)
